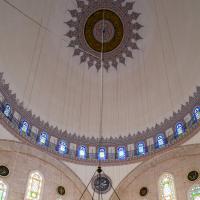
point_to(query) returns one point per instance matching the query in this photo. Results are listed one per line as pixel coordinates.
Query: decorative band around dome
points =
(29, 128)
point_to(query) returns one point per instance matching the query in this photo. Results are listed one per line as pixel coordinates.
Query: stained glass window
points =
(7, 110)
(197, 112)
(62, 147)
(34, 187)
(102, 153)
(194, 193)
(121, 153)
(24, 127)
(82, 152)
(141, 148)
(160, 140)
(43, 138)
(166, 187)
(3, 190)
(179, 128)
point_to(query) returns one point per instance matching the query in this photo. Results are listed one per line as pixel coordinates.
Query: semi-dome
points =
(50, 56)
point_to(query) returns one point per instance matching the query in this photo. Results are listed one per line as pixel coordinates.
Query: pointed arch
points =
(3, 190)
(166, 187)
(34, 186)
(194, 192)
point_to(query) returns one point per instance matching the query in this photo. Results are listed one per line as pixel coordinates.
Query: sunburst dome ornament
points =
(116, 20)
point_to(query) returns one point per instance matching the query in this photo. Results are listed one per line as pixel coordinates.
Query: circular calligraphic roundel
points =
(101, 184)
(61, 190)
(4, 171)
(193, 175)
(103, 30)
(143, 191)
(104, 26)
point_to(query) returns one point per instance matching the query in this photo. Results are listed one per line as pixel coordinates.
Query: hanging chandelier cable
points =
(99, 170)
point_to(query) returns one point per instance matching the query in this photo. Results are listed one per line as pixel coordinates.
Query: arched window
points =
(166, 187)
(43, 138)
(179, 129)
(34, 187)
(3, 190)
(7, 110)
(121, 153)
(194, 193)
(24, 127)
(62, 147)
(82, 152)
(196, 112)
(160, 140)
(141, 148)
(102, 153)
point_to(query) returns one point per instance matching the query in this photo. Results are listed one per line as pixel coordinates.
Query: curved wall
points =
(22, 159)
(178, 162)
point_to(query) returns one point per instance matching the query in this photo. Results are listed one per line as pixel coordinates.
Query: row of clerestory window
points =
(160, 140)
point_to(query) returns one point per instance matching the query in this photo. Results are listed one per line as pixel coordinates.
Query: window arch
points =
(141, 149)
(194, 193)
(166, 187)
(82, 151)
(180, 129)
(3, 190)
(160, 140)
(24, 127)
(61, 147)
(34, 187)
(196, 112)
(121, 153)
(43, 138)
(102, 153)
(7, 110)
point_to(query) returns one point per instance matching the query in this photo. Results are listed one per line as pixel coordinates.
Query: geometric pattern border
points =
(119, 54)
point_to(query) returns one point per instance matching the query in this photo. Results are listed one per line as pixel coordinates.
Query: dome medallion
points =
(104, 26)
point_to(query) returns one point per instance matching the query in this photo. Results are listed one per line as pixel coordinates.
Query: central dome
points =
(45, 60)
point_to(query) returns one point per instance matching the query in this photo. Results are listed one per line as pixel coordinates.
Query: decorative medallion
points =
(4, 171)
(101, 183)
(193, 175)
(61, 190)
(143, 191)
(109, 27)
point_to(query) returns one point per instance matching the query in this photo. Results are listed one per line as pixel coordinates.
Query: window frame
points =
(7, 188)
(28, 181)
(160, 190)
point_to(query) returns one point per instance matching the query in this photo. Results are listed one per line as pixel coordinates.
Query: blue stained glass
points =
(24, 127)
(121, 153)
(179, 128)
(196, 112)
(82, 152)
(62, 147)
(7, 110)
(43, 138)
(160, 140)
(102, 153)
(141, 148)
